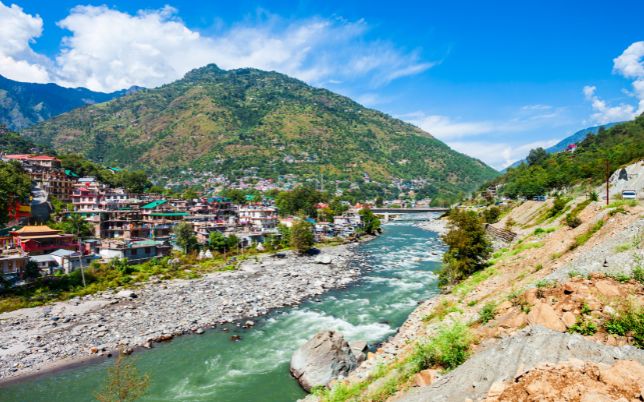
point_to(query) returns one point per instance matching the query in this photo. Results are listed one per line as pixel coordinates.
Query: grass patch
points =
(584, 237)
(519, 248)
(444, 308)
(622, 203)
(473, 281)
(544, 283)
(542, 231)
(623, 247)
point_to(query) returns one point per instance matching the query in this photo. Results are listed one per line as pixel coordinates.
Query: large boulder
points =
(325, 357)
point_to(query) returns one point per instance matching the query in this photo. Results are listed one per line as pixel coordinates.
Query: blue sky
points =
(492, 79)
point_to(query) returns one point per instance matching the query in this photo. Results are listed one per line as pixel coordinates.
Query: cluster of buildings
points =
(136, 227)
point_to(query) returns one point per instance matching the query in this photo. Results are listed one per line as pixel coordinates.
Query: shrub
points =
(558, 206)
(572, 221)
(638, 274)
(449, 348)
(628, 321)
(487, 313)
(583, 327)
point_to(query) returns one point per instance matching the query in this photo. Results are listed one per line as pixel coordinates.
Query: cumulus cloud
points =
(496, 142)
(17, 60)
(107, 49)
(629, 64)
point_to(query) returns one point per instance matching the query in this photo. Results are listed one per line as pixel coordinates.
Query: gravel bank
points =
(435, 225)
(41, 338)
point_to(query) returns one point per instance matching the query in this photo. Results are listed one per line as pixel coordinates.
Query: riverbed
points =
(398, 270)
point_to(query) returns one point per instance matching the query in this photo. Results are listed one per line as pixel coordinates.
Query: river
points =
(398, 271)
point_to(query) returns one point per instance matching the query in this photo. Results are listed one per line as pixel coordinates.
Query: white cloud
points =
(629, 64)
(496, 142)
(108, 50)
(607, 114)
(17, 60)
(498, 154)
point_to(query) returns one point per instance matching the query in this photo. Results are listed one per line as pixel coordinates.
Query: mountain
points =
(619, 145)
(23, 104)
(246, 120)
(13, 143)
(573, 139)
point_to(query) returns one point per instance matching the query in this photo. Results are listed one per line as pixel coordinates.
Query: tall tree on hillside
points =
(468, 245)
(15, 186)
(536, 155)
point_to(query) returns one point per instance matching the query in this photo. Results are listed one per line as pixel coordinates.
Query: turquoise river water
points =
(398, 272)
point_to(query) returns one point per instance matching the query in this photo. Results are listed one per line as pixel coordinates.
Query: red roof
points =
(22, 157)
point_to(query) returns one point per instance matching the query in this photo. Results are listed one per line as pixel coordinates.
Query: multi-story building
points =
(12, 264)
(47, 173)
(258, 217)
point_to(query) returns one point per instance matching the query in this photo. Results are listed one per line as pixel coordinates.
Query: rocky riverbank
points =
(41, 338)
(435, 225)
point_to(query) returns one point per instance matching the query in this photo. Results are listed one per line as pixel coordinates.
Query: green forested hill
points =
(619, 145)
(221, 121)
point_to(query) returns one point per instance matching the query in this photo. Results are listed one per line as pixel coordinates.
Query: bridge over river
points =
(387, 214)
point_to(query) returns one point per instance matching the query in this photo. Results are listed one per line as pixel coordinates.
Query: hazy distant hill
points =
(221, 121)
(24, 104)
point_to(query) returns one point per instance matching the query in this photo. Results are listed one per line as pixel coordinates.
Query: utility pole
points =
(607, 182)
(80, 250)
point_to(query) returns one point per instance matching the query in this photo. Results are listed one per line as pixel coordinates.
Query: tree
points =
(370, 222)
(15, 187)
(468, 249)
(185, 237)
(301, 236)
(379, 201)
(124, 383)
(75, 224)
(536, 156)
(135, 182)
(31, 270)
(301, 200)
(217, 242)
(492, 214)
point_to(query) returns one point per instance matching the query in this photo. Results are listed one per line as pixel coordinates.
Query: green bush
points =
(449, 348)
(628, 321)
(487, 313)
(583, 327)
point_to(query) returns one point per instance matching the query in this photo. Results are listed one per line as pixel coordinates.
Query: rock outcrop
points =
(325, 357)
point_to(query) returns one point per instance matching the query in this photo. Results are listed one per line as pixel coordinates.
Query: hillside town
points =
(134, 227)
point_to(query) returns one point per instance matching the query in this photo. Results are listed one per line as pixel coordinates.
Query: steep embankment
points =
(557, 301)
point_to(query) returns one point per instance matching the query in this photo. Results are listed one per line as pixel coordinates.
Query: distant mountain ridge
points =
(572, 139)
(247, 120)
(23, 104)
